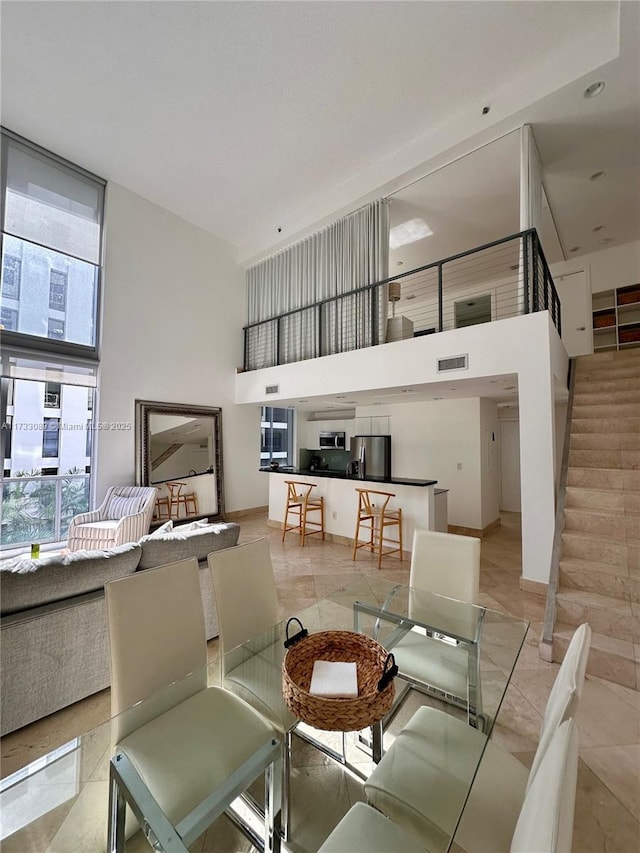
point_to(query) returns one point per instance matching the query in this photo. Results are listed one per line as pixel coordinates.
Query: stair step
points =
(609, 658)
(580, 426)
(608, 396)
(604, 478)
(603, 441)
(598, 548)
(611, 524)
(605, 613)
(597, 499)
(596, 386)
(606, 410)
(623, 370)
(601, 578)
(614, 356)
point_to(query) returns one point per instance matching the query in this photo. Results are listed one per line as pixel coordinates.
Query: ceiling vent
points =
(271, 389)
(455, 362)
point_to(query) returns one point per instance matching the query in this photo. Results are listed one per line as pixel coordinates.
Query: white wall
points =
(615, 267)
(174, 307)
(490, 462)
(528, 346)
(429, 440)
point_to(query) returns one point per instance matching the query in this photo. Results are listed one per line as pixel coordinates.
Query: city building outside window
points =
(9, 319)
(58, 290)
(11, 278)
(51, 437)
(52, 395)
(277, 433)
(55, 329)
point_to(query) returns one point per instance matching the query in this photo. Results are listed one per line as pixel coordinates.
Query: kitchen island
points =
(416, 497)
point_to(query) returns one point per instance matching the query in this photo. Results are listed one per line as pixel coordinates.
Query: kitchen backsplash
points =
(333, 460)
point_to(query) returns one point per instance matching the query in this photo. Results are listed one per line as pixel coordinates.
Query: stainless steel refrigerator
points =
(373, 455)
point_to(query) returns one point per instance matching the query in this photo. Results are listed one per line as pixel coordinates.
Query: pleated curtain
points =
(329, 265)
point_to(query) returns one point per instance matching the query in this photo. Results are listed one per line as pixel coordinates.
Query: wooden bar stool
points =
(162, 506)
(300, 504)
(376, 519)
(191, 503)
(176, 499)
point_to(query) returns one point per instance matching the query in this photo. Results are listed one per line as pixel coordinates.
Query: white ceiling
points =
(246, 117)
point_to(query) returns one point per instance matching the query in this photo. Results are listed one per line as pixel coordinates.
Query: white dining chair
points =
(183, 751)
(247, 604)
(449, 565)
(421, 782)
(365, 830)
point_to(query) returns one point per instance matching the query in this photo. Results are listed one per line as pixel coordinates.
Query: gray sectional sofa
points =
(54, 645)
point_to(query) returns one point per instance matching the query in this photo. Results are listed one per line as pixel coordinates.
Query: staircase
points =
(599, 574)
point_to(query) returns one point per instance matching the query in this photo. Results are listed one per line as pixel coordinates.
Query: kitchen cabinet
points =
(380, 425)
(616, 318)
(313, 435)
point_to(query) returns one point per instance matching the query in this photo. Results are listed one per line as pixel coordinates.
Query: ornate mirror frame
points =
(144, 410)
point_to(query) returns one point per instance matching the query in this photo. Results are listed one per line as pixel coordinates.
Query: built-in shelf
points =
(616, 318)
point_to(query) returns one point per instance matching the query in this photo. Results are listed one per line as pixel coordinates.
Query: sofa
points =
(54, 647)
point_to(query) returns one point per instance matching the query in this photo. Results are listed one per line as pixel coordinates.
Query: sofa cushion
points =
(178, 545)
(29, 583)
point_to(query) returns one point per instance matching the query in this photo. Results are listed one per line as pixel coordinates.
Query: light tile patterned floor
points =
(607, 806)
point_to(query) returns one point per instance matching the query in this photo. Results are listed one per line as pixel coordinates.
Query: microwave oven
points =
(335, 440)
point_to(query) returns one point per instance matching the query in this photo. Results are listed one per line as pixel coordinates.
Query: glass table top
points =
(59, 802)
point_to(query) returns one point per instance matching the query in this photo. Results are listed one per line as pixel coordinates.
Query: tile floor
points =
(607, 816)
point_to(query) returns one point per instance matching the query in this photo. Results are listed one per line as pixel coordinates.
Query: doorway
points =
(510, 466)
(470, 312)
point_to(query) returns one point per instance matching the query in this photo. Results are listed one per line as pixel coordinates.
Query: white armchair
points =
(123, 516)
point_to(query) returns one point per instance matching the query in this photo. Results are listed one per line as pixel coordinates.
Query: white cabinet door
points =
(349, 431)
(313, 435)
(362, 426)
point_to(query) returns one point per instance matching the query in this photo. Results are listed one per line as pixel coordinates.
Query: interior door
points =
(510, 466)
(575, 302)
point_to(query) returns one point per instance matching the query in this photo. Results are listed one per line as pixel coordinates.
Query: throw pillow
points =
(193, 525)
(167, 527)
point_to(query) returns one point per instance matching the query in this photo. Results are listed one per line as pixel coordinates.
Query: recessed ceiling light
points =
(575, 249)
(303, 401)
(598, 228)
(341, 396)
(597, 175)
(413, 296)
(594, 89)
(407, 390)
(400, 263)
(605, 240)
(438, 398)
(408, 232)
(514, 267)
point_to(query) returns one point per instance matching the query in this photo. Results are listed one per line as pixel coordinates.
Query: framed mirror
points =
(179, 451)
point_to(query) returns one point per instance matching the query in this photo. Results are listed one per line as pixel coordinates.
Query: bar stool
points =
(300, 504)
(176, 499)
(162, 503)
(191, 503)
(376, 519)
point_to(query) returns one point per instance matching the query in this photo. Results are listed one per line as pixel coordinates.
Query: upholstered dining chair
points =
(247, 603)
(446, 564)
(183, 751)
(420, 781)
(544, 823)
(123, 516)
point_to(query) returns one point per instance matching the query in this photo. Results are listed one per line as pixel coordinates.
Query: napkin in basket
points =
(334, 679)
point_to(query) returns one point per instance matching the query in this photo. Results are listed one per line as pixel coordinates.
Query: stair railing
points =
(546, 640)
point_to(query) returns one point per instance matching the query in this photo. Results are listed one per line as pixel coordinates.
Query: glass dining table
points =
(60, 801)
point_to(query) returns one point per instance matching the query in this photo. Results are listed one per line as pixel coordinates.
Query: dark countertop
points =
(341, 475)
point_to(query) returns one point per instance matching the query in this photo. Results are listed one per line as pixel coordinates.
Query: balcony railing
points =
(504, 278)
(39, 509)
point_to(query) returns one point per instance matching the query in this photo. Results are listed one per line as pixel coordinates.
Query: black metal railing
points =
(504, 278)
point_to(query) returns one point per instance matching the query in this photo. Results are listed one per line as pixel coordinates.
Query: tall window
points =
(51, 220)
(51, 246)
(276, 430)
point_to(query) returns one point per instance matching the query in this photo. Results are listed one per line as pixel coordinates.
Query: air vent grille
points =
(454, 362)
(271, 389)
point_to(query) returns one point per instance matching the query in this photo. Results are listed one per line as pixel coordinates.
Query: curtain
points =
(329, 265)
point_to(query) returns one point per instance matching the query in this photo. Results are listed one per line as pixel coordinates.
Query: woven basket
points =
(375, 692)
